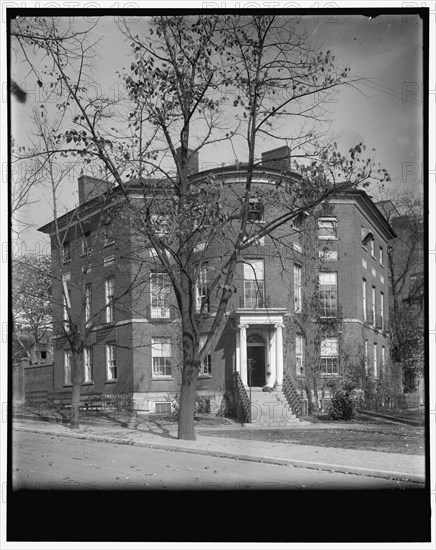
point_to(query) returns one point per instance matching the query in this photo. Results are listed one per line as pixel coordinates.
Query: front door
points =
(257, 354)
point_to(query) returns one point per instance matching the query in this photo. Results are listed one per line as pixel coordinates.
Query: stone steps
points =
(270, 409)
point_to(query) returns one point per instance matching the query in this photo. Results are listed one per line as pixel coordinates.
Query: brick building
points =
(128, 306)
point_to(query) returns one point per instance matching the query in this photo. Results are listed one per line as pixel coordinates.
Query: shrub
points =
(342, 405)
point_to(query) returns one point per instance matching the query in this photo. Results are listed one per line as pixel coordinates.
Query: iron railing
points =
(244, 404)
(291, 394)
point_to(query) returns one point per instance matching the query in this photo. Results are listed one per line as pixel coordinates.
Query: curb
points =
(393, 419)
(369, 472)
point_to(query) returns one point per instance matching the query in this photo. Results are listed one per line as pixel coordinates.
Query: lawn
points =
(387, 438)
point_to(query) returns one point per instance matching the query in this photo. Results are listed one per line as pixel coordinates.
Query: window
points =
(328, 255)
(162, 407)
(255, 210)
(366, 356)
(67, 368)
(383, 358)
(88, 301)
(329, 356)
(202, 289)
(375, 361)
(109, 260)
(87, 364)
(160, 224)
(161, 356)
(66, 252)
(108, 234)
(299, 354)
(297, 288)
(364, 299)
(43, 356)
(160, 295)
(206, 365)
(86, 243)
(111, 364)
(327, 228)
(328, 294)
(366, 235)
(381, 256)
(109, 299)
(382, 310)
(372, 248)
(253, 284)
(373, 304)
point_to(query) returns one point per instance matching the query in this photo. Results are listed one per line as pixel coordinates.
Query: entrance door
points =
(257, 354)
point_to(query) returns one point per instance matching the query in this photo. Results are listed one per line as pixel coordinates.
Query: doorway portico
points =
(259, 347)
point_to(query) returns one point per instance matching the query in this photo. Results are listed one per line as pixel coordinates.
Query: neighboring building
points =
(135, 347)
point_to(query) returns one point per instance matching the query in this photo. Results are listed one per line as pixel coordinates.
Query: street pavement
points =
(148, 433)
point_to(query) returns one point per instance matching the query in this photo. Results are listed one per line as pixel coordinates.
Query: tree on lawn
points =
(406, 275)
(195, 82)
(31, 304)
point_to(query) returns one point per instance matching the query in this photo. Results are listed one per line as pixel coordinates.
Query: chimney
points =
(279, 158)
(192, 160)
(90, 187)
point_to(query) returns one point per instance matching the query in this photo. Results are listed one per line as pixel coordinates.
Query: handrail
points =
(291, 394)
(244, 401)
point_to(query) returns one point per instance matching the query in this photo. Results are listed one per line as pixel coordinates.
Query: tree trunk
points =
(76, 379)
(188, 389)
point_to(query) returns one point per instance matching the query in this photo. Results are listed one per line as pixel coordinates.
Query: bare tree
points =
(196, 82)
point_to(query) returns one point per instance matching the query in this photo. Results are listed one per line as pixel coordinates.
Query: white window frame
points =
(298, 290)
(381, 256)
(88, 374)
(88, 303)
(373, 304)
(202, 288)
(324, 287)
(161, 224)
(158, 350)
(327, 228)
(109, 291)
(111, 363)
(373, 248)
(66, 252)
(364, 302)
(86, 243)
(206, 365)
(299, 354)
(108, 234)
(254, 283)
(329, 350)
(67, 368)
(255, 210)
(366, 356)
(160, 295)
(383, 358)
(375, 358)
(382, 309)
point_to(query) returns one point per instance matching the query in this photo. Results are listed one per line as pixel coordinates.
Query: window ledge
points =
(110, 243)
(68, 385)
(91, 383)
(205, 377)
(162, 377)
(111, 381)
(329, 374)
(326, 238)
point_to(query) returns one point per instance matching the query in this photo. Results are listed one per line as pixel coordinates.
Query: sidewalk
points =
(164, 436)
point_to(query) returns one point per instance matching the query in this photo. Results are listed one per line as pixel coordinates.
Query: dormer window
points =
(366, 236)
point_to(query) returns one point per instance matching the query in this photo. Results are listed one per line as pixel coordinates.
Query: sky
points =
(384, 110)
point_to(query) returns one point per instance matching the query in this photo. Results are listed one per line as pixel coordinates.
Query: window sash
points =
(206, 365)
(254, 294)
(67, 368)
(88, 364)
(88, 301)
(329, 356)
(299, 354)
(66, 252)
(161, 356)
(109, 292)
(327, 228)
(255, 210)
(328, 294)
(297, 288)
(364, 299)
(111, 364)
(160, 295)
(202, 288)
(375, 358)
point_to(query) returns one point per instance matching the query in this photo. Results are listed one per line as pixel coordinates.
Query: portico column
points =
(243, 353)
(272, 360)
(279, 355)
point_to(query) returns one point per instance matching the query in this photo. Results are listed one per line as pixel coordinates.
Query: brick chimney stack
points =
(90, 187)
(279, 158)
